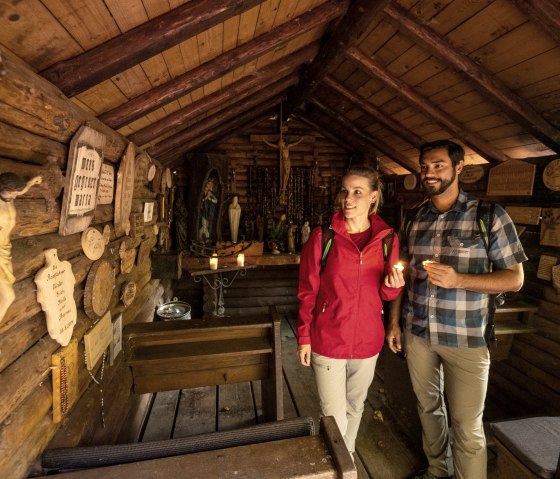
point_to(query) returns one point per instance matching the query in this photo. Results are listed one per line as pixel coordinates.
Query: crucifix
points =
(285, 164)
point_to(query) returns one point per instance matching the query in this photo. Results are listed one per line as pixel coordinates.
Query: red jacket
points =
(340, 312)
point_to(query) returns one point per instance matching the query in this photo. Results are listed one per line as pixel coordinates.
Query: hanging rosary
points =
(99, 383)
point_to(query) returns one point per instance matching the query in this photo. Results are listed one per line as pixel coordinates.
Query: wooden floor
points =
(384, 450)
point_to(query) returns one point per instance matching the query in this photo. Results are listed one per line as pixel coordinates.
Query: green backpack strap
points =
(326, 244)
(387, 242)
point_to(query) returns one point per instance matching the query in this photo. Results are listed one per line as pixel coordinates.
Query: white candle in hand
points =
(399, 266)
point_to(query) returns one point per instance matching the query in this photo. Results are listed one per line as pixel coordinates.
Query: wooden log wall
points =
(37, 123)
(528, 381)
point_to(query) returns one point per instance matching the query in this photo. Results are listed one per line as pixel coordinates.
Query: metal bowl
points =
(173, 310)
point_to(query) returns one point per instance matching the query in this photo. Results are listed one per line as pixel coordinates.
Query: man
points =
(11, 186)
(445, 310)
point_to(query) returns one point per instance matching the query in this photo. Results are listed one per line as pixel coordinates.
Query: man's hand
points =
(393, 337)
(304, 354)
(442, 275)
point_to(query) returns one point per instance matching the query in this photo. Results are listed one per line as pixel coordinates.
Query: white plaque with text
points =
(106, 185)
(98, 339)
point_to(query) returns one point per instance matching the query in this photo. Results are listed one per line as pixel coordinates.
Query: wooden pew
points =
(169, 355)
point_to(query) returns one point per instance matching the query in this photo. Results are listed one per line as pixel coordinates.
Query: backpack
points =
(484, 220)
(328, 238)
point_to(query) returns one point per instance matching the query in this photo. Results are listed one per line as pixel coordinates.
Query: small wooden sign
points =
(556, 277)
(99, 288)
(526, 215)
(93, 243)
(168, 178)
(65, 380)
(98, 339)
(125, 189)
(471, 174)
(85, 157)
(551, 175)
(55, 292)
(546, 262)
(116, 344)
(106, 185)
(128, 293)
(136, 225)
(148, 211)
(550, 227)
(511, 178)
(127, 253)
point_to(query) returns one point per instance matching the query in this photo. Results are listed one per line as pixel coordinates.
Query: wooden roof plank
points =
(545, 13)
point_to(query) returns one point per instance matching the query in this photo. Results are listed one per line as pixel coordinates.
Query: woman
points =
(340, 327)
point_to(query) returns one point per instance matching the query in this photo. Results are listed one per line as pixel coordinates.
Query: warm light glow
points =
(214, 261)
(240, 259)
(399, 266)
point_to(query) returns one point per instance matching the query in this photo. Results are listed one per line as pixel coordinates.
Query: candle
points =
(214, 261)
(240, 259)
(399, 266)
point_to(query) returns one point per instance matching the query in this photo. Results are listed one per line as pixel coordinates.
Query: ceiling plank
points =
(545, 13)
(77, 74)
(398, 128)
(228, 61)
(261, 77)
(237, 108)
(383, 147)
(356, 20)
(478, 144)
(335, 138)
(485, 82)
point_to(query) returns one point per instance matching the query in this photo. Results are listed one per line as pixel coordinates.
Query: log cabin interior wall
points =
(359, 80)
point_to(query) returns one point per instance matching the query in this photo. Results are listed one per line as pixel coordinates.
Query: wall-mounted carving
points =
(125, 189)
(99, 288)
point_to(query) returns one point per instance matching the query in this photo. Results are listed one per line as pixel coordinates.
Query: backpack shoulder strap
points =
(409, 217)
(327, 239)
(387, 242)
(484, 220)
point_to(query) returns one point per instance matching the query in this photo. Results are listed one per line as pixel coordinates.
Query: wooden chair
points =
(528, 448)
(169, 355)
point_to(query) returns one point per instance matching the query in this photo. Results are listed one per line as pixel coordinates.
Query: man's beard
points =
(444, 185)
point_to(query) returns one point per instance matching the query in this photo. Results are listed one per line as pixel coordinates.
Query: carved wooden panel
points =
(527, 215)
(99, 288)
(93, 243)
(511, 178)
(125, 189)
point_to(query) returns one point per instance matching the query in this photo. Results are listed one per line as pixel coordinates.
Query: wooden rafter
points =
(484, 81)
(77, 74)
(219, 117)
(478, 144)
(396, 127)
(262, 77)
(545, 13)
(380, 145)
(219, 66)
(338, 139)
(358, 17)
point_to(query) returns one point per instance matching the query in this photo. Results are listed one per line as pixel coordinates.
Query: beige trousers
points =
(463, 373)
(343, 385)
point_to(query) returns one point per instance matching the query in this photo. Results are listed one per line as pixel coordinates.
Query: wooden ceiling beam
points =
(221, 128)
(262, 77)
(373, 68)
(380, 145)
(484, 81)
(94, 66)
(545, 13)
(336, 139)
(358, 17)
(238, 108)
(219, 66)
(396, 127)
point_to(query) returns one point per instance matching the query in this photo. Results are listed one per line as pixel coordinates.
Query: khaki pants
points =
(343, 385)
(464, 375)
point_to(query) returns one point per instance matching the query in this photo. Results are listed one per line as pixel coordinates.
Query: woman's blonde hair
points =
(375, 183)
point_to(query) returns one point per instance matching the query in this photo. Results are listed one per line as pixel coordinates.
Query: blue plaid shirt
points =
(454, 317)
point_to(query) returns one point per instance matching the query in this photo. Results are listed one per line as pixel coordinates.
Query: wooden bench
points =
(514, 317)
(169, 355)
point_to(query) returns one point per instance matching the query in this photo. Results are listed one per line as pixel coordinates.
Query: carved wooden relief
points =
(550, 227)
(511, 178)
(125, 189)
(93, 243)
(127, 253)
(99, 288)
(128, 293)
(85, 157)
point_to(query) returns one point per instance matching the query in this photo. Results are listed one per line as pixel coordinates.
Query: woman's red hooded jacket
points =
(340, 312)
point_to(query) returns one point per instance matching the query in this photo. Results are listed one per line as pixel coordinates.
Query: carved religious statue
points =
(234, 212)
(11, 186)
(208, 209)
(285, 164)
(305, 232)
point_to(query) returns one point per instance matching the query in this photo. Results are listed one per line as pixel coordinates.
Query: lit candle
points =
(399, 266)
(240, 259)
(214, 261)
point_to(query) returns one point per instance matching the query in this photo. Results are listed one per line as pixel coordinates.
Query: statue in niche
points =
(285, 164)
(305, 232)
(292, 238)
(11, 186)
(208, 210)
(234, 212)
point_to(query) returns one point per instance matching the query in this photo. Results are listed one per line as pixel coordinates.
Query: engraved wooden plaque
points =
(128, 293)
(550, 227)
(151, 172)
(125, 189)
(511, 178)
(471, 174)
(526, 215)
(98, 339)
(136, 225)
(551, 175)
(85, 157)
(55, 292)
(127, 253)
(148, 211)
(556, 277)
(93, 243)
(546, 263)
(106, 185)
(116, 344)
(99, 288)
(65, 365)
